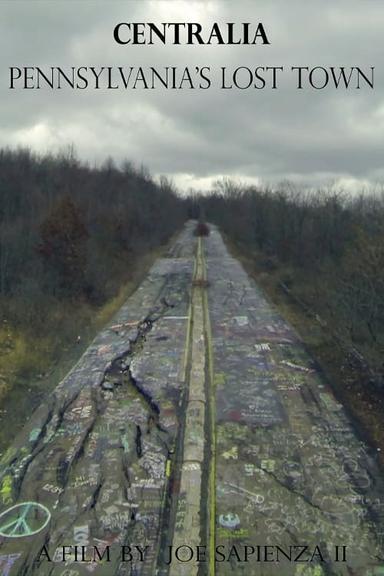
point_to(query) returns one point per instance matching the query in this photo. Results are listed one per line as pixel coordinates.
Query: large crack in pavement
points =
(93, 459)
(257, 452)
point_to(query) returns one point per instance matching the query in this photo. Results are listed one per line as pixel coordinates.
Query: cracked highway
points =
(195, 426)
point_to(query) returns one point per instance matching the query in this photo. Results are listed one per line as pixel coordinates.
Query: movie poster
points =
(191, 288)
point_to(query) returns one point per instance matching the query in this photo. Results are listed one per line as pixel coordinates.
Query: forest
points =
(319, 255)
(73, 239)
(327, 247)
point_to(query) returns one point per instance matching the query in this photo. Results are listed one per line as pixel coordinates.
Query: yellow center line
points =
(212, 411)
(195, 511)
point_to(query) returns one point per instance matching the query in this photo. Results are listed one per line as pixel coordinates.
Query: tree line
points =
(327, 246)
(71, 236)
(64, 225)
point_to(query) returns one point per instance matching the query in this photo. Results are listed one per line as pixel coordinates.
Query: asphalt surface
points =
(195, 427)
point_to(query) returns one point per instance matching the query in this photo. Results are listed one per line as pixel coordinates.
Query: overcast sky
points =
(198, 136)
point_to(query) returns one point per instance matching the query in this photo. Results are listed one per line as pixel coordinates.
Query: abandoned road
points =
(195, 427)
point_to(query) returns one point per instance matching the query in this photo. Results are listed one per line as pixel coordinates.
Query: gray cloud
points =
(196, 136)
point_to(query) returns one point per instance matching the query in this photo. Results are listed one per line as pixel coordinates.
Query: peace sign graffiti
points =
(24, 519)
